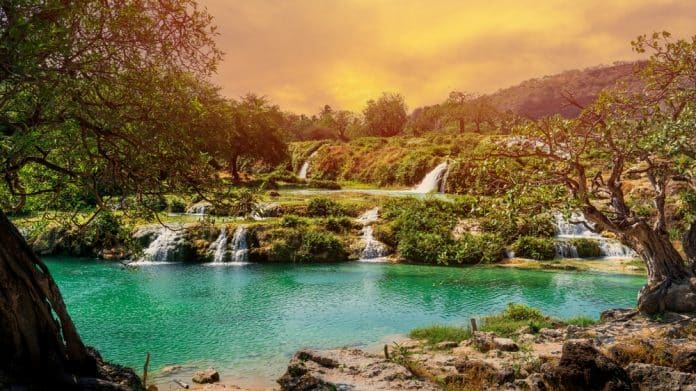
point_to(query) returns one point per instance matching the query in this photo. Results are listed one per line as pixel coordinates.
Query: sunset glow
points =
(303, 54)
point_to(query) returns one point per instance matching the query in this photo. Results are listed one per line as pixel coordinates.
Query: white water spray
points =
(220, 246)
(305, 166)
(374, 250)
(579, 228)
(161, 248)
(240, 247)
(432, 181)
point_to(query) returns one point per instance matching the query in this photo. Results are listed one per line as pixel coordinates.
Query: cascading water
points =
(240, 247)
(443, 182)
(432, 180)
(305, 166)
(374, 250)
(579, 228)
(161, 248)
(220, 246)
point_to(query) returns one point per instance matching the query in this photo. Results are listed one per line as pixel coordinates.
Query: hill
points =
(536, 98)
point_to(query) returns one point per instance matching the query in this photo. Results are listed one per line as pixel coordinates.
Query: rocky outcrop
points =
(347, 369)
(657, 378)
(207, 376)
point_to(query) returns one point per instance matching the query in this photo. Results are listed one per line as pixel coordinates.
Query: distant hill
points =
(536, 98)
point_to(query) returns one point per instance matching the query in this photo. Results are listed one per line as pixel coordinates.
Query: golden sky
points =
(303, 54)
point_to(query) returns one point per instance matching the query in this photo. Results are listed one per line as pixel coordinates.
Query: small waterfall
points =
(579, 228)
(305, 166)
(443, 182)
(240, 248)
(374, 250)
(162, 247)
(199, 209)
(220, 246)
(432, 180)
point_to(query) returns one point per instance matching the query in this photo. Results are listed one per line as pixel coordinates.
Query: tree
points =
(386, 116)
(464, 108)
(650, 136)
(425, 119)
(88, 90)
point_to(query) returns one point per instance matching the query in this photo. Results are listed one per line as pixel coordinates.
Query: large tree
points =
(624, 160)
(385, 116)
(91, 92)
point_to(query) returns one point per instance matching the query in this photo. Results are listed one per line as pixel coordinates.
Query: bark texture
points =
(38, 340)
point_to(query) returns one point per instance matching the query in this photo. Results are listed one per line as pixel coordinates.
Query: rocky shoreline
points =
(625, 351)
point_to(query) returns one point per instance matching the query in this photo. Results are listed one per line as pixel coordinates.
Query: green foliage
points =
(540, 249)
(587, 248)
(386, 116)
(514, 317)
(423, 247)
(320, 246)
(438, 333)
(324, 207)
(176, 205)
(339, 224)
(475, 249)
(580, 320)
(292, 221)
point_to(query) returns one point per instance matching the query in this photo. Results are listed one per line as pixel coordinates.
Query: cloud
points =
(307, 53)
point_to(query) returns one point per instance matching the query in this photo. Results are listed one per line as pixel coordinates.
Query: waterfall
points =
(240, 248)
(162, 247)
(199, 209)
(579, 228)
(220, 246)
(432, 180)
(305, 166)
(374, 250)
(443, 182)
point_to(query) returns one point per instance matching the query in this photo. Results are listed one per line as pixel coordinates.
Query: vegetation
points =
(541, 249)
(513, 318)
(439, 333)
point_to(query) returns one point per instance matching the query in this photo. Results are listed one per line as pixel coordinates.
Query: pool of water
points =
(250, 319)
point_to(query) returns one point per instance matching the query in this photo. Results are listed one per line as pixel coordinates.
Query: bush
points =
(324, 184)
(385, 234)
(422, 247)
(292, 221)
(320, 246)
(155, 203)
(514, 317)
(338, 224)
(473, 249)
(282, 175)
(176, 205)
(324, 207)
(535, 248)
(587, 248)
(439, 333)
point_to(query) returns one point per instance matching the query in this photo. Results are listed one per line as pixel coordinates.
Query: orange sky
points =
(303, 54)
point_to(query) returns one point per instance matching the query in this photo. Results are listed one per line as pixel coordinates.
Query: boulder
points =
(478, 374)
(657, 378)
(446, 345)
(210, 375)
(505, 344)
(483, 341)
(550, 334)
(685, 361)
(582, 367)
(347, 369)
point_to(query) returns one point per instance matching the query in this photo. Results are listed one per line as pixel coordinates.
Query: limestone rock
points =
(210, 375)
(582, 367)
(479, 374)
(446, 345)
(347, 369)
(657, 378)
(483, 341)
(505, 344)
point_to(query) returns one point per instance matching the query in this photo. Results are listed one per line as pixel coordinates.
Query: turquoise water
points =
(250, 319)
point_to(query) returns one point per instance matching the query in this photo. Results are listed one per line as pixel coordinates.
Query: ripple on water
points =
(252, 318)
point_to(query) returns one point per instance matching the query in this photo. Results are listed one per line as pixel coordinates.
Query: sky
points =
(303, 54)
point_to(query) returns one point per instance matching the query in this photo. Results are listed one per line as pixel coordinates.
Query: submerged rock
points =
(347, 369)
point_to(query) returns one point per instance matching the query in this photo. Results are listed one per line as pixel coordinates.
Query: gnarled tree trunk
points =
(671, 283)
(38, 341)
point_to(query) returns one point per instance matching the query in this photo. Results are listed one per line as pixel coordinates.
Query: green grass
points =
(514, 317)
(580, 320)
(438, 333)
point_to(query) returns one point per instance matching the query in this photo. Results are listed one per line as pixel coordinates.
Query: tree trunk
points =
(689, 242)
(670, 282)
(38, 341)
(462, 125)
(234, 169)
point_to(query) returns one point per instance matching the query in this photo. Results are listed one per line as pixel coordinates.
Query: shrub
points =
(338, 224)
(587, 248)
(292, 221)
(155, 203)
(385, 234)
(177, 205)
(473, 249)
(283, 175)
(438, 333)
(320, 246)
(535, 248)
(422, 247)
(324, 207)
(514, 317)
